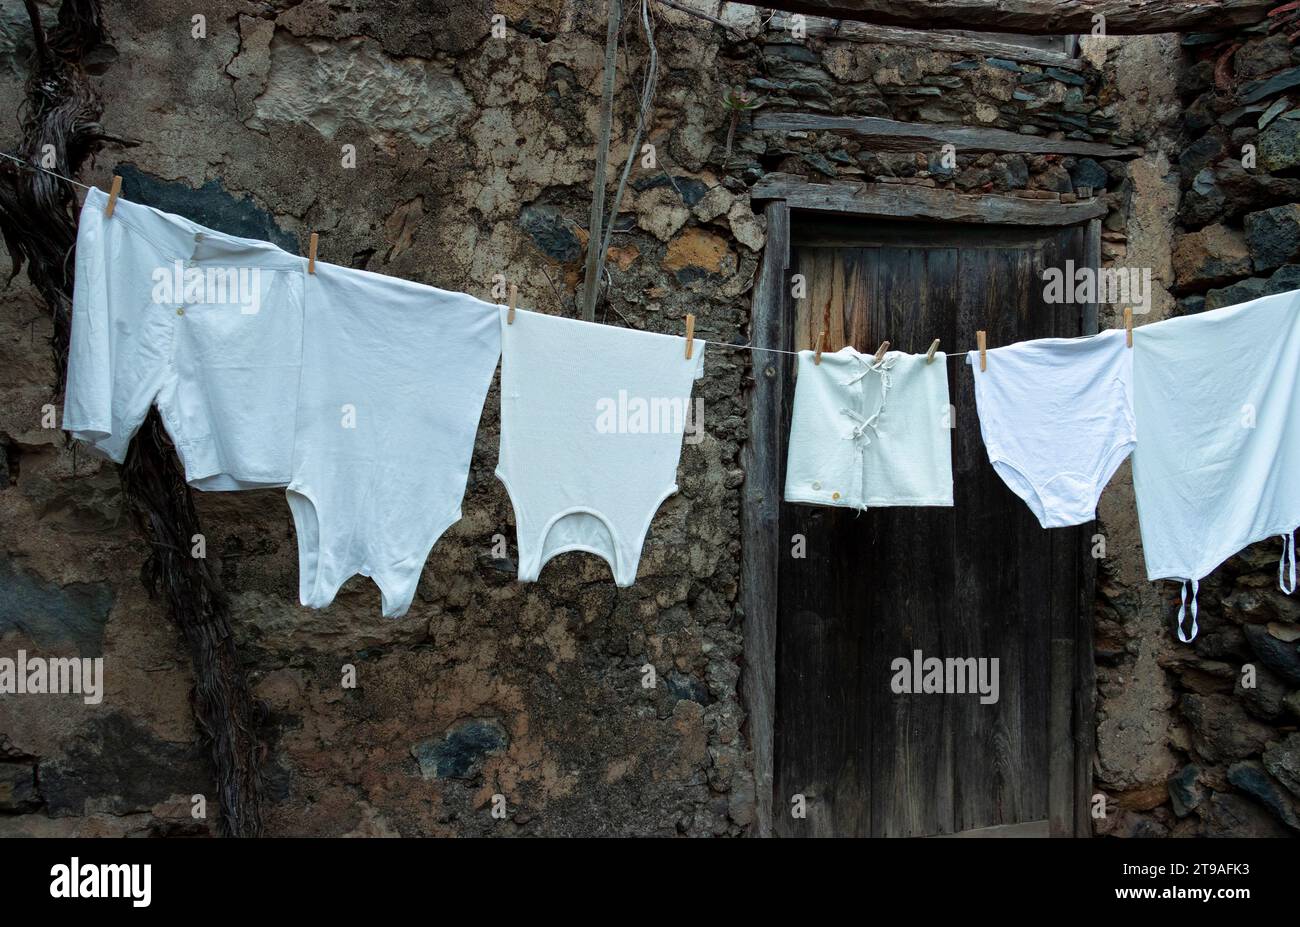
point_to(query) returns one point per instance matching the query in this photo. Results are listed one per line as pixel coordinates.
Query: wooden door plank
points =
(762, 458)
(820, 718)
(972, 744)
(1038, 547)
(835, 314)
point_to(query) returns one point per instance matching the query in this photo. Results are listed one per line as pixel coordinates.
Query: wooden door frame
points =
(1071, 730)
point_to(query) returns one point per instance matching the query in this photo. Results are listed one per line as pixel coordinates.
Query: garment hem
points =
(1154, 574)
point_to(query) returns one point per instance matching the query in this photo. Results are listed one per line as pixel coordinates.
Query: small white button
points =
(180, 310)
(817, 485)
(198, 236)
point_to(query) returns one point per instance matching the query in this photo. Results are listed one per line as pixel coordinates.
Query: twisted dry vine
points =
(38, 224)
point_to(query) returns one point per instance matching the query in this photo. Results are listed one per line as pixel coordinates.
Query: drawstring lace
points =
(1288, 552)
(1182, 609)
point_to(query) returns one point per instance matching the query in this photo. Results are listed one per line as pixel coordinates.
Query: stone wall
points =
(473, 158)
(1189, 741)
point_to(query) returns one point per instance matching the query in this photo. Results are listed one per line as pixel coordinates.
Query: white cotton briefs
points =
(592, 423)
(864, 434)
(393, 382)
(206, 326)
(1057, 419)
(1218, 417)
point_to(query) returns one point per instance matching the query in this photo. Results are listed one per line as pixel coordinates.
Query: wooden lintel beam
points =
(928, 39)
(906, 201)
(892, 136)
(1042, 17)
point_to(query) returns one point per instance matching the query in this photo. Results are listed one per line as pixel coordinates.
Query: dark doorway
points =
(981, 579)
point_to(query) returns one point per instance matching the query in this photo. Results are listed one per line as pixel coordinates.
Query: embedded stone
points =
(1228, 190)
(1258, 90)
(18, 793)
(1281, 657)
(1199, 155)
(1243, 291)
(1229, 815)
(747, 227)
(697, 253)
(460, 754)
(1279, 143)
(1258, 57)
(551, 231)
(116, 764)
(1221, 729)
(660, 212)
(1273, 236)
(1282, 759)
(1264, 699)
(715, 203)
(1088, 173)
(1251, 777)
(1066, 77)
(53, 616)
(1213, 255)
(1185, 792)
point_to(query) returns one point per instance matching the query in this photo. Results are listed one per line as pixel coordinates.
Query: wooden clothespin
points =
(514, 298)
(1128, 327)
(690, 335)
(311, 253)
(982, 342)
(929, 355)
(113, 192)
(821, 346)
(880, 352)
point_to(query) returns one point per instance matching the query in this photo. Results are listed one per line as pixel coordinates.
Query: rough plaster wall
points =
(1134, 700)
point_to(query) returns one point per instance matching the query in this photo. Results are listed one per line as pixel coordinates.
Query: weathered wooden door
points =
(979, 580)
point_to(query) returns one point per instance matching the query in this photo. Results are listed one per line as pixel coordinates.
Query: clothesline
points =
(719, 344)
(843, 449)
(37, 167)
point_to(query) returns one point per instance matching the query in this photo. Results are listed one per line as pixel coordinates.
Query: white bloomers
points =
(205, 325)
(1056, 415)
(866, 434)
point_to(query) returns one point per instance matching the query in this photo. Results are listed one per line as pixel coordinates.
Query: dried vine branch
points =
(643, 120)
(591, 283)
(601, 229)
(38, 224)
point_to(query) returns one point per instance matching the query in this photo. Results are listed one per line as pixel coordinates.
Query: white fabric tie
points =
(1182, 609)
(1288, 552)
(869, 365)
